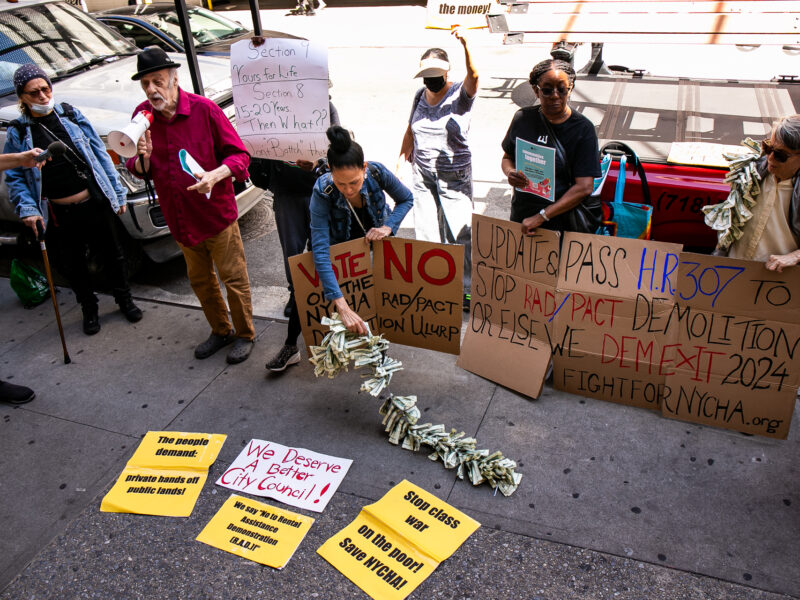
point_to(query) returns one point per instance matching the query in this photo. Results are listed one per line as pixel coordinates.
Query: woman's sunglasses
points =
(780, 155)
(549, 91)
(42, 90)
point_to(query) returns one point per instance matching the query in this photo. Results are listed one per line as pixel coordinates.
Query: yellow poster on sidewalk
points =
(165, 475)
(168, 449)
(256, 531)
(167, 493)
(423, 519)
(396, 543)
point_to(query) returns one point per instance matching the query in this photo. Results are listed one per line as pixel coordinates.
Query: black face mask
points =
(434, 84)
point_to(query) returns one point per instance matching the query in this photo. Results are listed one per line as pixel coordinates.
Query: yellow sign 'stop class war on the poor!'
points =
(396, 543)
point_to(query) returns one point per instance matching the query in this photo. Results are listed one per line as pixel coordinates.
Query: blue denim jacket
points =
(25, 185)
(331, 216)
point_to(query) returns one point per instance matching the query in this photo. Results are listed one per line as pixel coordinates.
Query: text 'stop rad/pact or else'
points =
(701, 338)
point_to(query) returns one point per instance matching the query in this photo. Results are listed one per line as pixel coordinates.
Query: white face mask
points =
(43, 109)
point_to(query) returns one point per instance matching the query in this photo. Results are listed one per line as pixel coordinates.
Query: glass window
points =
(60, 38)
(141, 36)
(207, 27)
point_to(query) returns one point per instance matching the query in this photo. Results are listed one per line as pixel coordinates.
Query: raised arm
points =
(471, 80)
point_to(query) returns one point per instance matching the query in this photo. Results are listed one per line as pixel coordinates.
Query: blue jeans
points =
(443, 210)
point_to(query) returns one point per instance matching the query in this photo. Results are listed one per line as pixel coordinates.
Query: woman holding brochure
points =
(563, 143)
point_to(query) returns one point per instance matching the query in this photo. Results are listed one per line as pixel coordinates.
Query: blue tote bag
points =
(627, 219)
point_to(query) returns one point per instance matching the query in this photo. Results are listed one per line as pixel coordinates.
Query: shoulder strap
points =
(559, 148)
(417, 98)
(375, 172)
(19, 126)
(69, 112)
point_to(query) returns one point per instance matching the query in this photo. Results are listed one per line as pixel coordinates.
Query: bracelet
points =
(544, 215)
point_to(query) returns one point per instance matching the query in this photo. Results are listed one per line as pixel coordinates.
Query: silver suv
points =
(90, 66)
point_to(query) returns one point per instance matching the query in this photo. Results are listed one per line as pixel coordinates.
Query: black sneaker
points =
(212, 344)
(288, 355)
(466, 301)
(91, 320)
(11, 393)
(132, 312)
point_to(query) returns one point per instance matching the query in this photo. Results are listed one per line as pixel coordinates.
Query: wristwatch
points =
(544, 215)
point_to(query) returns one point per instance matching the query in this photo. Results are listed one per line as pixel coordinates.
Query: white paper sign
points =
(444, 14)
(280, 91)
(294, 476)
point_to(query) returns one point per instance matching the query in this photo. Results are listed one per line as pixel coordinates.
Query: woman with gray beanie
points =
(74, 196)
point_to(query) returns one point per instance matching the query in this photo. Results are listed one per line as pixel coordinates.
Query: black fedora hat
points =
(153, 59)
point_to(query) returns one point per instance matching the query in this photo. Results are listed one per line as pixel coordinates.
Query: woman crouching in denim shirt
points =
(349, 203)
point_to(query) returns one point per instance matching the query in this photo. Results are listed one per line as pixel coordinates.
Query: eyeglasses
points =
(42, 90)
(560, 90)
(780, 155)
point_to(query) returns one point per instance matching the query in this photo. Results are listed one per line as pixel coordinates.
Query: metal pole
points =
(188, 45)
(257, 31)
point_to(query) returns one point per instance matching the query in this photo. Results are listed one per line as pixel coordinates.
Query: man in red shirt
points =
(204, 227)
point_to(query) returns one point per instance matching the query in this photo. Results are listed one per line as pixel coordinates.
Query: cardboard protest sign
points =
(445, 14)
(411, 292)
(165, 474)
(396, 543)
(294, 476)
(513, 299)
(611, 292)
(167, 493)
(736, 330)
(256, 531)
(280, 91)
(352, 266)
(418, 291)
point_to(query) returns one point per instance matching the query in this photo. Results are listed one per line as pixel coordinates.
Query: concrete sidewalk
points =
(616, 502)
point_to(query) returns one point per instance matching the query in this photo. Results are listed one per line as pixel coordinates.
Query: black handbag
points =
(587, 216)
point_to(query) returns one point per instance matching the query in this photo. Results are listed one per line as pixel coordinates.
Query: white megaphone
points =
(124, 141)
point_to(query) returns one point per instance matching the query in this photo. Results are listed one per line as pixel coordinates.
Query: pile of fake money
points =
(339, 348)
(729, 216)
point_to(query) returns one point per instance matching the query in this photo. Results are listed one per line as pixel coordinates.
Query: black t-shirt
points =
(59, 176)
(579, 140)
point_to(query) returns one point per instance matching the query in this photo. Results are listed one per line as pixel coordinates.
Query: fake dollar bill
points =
(339, 348)
(729, 216)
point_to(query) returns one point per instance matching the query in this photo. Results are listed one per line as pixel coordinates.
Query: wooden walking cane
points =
(40, 237)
